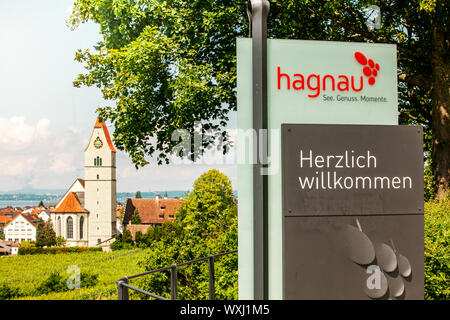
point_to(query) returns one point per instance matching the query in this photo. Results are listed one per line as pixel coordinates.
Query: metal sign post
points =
(258, 12)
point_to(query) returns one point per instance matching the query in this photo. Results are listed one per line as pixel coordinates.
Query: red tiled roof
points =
(101, 124)
(70, 204)
(36, 211)
(151, 209)
(5, 219)
(31, 219)
(6, 209)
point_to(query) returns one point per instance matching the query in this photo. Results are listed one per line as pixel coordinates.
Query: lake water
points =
(18, 203)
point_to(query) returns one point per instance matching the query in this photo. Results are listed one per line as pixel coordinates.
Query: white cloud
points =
(63, 163)
(13, 166)
(31, 155)
(39, 156)
(16, 134)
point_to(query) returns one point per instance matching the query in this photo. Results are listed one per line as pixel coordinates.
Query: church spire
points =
(99, 123)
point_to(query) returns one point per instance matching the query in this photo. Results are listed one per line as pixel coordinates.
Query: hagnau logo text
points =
(317, 83)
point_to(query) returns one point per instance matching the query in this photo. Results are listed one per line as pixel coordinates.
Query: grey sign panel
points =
(352, 169)
(353, 212)
(332, 258)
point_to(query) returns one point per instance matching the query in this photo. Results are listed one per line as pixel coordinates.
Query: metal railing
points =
(123, 285)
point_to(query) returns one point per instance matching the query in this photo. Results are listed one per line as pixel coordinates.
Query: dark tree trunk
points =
(440, 110)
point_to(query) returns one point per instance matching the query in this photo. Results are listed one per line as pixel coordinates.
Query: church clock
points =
(98, 143)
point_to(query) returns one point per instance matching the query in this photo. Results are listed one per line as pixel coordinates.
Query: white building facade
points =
(19, 229)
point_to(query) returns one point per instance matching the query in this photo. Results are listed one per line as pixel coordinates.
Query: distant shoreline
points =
(23, 200)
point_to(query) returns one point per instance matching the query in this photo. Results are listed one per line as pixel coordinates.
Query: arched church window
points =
(69, 229)
(98, 177)
(59, 226)
(100, 162)
(95, 162)
(81, 227)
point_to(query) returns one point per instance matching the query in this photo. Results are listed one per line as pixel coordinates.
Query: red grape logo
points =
(370, 68)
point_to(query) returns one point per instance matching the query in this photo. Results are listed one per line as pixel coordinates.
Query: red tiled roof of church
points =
(101, 124)
(70, 204)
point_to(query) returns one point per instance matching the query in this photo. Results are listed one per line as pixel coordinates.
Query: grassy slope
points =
(27, 272)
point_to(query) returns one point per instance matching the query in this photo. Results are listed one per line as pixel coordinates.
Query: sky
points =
(45, 122)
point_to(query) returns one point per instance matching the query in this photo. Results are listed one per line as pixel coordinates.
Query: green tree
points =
(41, 204)
(172, 63)
(138, 238)
(138, 195)
(136, 218)
(126, 237)
(45, 234)
(40, 233)
(49, 234)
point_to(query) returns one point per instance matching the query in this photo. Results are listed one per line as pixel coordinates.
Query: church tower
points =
(100, 185)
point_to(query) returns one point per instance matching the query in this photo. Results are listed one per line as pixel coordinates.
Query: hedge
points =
(437, 250)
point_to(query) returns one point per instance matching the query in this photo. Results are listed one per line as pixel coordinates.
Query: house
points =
(152, 212)
(44, 214)
(22, 227)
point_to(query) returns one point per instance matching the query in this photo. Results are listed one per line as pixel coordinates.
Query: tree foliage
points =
(40, 233)
(136, 218)
(60, 241)
(126, 237)
(437, 252)
(45, 234)
(167, 64)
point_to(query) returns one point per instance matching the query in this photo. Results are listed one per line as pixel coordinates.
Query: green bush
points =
(8, 293)
(437, 254)
(116, 245)
(55, 250)
(88, 280)
(52, 250)
(55, 282)
(206, 224)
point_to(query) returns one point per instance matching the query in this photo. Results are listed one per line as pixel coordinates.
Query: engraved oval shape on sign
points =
(396, 286)
(386, 257)
(360, 248)
(404, 267)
